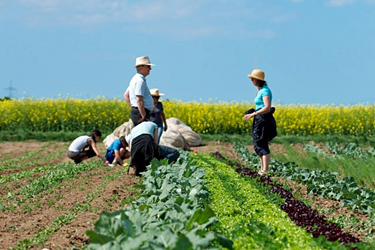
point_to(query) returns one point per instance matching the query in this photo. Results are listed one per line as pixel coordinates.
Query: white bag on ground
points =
(179, 135)
(109, 139)
(192, 138)
(172, 138)
(122, 130)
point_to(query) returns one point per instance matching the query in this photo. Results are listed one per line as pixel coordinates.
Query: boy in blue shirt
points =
(117, 151)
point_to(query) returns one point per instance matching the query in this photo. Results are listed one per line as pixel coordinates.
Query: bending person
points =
(144, 147)
(84, 147)
(116, 152)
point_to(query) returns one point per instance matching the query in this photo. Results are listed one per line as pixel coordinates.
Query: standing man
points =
(137, 95)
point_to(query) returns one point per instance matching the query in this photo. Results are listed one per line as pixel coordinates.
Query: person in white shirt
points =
(84, 147)
(137, 95)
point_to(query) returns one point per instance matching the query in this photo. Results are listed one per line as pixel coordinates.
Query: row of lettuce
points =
(206, 118)
(201, 202)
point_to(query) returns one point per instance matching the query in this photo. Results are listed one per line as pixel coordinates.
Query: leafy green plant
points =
(246, 215)
(169, 214)
(322, 183)
(350, 150)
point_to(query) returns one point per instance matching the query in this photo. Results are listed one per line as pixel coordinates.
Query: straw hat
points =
(155, 92)
(257, 74)
(143, 60)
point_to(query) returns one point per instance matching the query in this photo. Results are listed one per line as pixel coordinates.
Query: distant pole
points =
(10, 89)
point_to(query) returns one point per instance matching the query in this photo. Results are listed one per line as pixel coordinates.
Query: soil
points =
(108, 194)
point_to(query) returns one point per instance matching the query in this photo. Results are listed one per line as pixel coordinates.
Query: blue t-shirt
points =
(264, 91)
(143, 128)
(115, 145)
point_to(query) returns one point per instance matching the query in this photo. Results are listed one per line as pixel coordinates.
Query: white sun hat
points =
(143, 60)
(155, 92)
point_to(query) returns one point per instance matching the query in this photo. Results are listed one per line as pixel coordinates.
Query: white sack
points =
(122, 130)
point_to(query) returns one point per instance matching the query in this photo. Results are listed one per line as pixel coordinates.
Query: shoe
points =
(131, 170)
(261, 173)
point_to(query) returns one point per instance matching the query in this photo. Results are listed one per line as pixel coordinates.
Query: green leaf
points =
(225, 242)
(183, 243)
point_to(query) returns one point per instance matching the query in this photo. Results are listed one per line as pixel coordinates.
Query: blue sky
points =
(313, 52)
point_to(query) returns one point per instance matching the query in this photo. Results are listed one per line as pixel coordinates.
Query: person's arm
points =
(127, 97)
(118, 157)
(156, 135)
(130, 146)
(264, 110)
(141, 106)
(165, 127)
(93, 145)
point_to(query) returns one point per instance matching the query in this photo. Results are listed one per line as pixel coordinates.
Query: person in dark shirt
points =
(157, 114)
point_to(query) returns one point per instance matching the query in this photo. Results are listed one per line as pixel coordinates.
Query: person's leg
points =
(76, 157)
(261, 162)
(266, 162)
(160, 132)
(262, 150)
(135, 115)
(84, 155)
(124, 154)
(169, 153)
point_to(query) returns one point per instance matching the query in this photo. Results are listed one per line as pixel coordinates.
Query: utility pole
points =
(10, 89)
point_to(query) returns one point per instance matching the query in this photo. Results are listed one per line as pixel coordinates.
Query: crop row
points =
(5, 164)
(206, 118)
(300, 213)
(170, 213)
(322, 183)
(59, 173)
(335, 150)
(246, 215)
(70, 215)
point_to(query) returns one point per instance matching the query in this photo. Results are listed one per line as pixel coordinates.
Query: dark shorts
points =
(79, 156)
(144, 149)
(109, 158)
(135, 115)
(261, 147)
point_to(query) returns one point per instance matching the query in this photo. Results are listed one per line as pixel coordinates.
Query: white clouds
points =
(125, 10)
(177, 18)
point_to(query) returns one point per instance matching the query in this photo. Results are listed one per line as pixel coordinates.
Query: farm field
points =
(48, 202)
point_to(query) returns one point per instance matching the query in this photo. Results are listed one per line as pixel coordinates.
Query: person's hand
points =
(165, 127)
(248, 116)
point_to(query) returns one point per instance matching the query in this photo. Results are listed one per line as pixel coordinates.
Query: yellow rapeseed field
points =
(207, 118)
